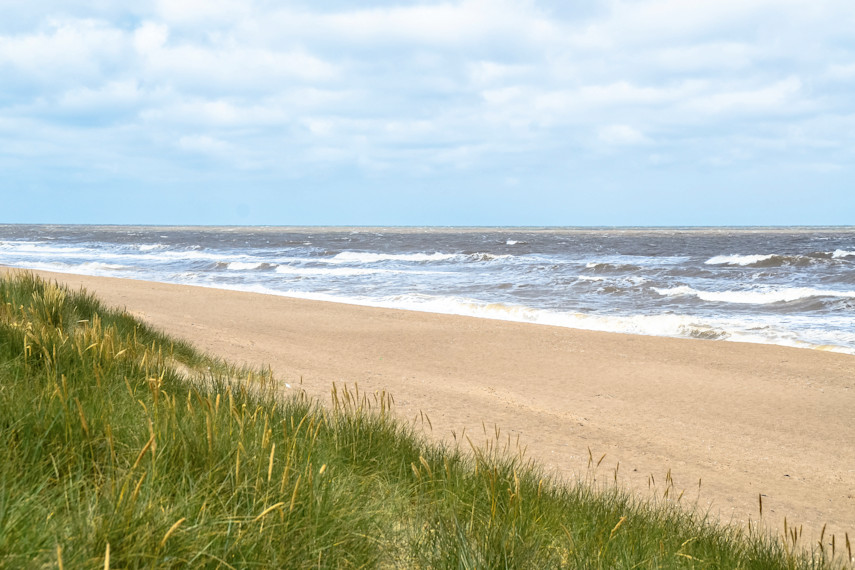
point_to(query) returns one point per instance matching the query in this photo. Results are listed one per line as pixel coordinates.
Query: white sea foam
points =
(98, 266)
(762, 297)
(351, 271)
(193, 254)
(322, 271)
(634, 261)
(737, 259)
(485, 257)
(366, 257)
(751, 330)
(35, 247)
(88, 268)
(840, 254)
(152, 247)
(244, 266)
(615, 267)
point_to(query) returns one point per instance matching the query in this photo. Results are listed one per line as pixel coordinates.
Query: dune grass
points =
(124, 448)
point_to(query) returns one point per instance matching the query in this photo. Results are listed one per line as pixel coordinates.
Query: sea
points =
(783, 286)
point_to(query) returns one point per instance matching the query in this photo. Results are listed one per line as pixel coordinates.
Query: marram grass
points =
(123, 448)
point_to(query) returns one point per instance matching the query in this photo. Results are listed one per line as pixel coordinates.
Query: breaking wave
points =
(611, 267)
(737, 259)
(784, 295)
(246, 265)
(367, 257)
(779, 260)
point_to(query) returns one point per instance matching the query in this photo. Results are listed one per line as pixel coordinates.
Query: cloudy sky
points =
(458, 112)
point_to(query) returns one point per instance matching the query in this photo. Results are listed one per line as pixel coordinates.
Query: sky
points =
(470, 112)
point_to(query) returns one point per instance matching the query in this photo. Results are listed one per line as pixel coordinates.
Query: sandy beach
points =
(743, 419)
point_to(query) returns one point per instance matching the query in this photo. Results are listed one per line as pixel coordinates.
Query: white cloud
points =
(486, 73)
(781, 96)
(451, 23)
(656, 22)
(714, 57)
(204, 12)
(150, 37)
(205, 144)
(841, 71)
(235, 68)
(68, 50)
(438, 83)
(622, 135)
(115, 93)
(585, 104)
(626, 93)
(216, 113)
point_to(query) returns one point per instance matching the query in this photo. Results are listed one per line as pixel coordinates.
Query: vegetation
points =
(125, 448)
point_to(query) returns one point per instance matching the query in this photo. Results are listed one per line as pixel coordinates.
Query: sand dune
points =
(745, 419)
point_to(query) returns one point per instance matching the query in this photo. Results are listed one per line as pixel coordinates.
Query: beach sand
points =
(744, 419)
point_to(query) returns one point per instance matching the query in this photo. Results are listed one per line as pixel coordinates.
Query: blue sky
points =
(472, 112)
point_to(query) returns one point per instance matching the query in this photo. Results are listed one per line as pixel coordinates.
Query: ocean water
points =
(793, 287)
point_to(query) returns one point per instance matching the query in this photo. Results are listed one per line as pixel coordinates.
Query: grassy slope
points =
(124, 447)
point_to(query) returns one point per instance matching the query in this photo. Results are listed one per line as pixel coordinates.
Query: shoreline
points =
(539, 317)
(746, 419)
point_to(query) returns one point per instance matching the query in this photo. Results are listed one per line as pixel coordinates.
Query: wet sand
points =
(744, 419)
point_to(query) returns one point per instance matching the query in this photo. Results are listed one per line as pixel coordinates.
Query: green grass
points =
(125, 448)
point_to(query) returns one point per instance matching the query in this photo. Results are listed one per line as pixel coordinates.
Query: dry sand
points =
(745, 419)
